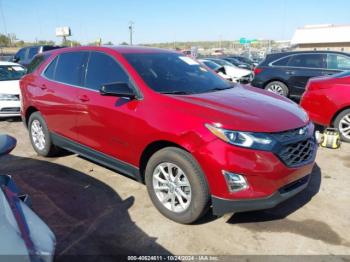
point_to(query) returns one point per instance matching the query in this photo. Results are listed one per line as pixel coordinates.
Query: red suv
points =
(162, 118)
(327, 100)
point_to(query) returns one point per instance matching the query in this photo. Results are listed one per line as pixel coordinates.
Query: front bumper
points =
(223, 206)
(10, 108)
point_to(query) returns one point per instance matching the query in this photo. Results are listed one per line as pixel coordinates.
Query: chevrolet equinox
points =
(196, 140)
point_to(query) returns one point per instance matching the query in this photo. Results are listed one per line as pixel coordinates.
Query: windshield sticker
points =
(18, 68)
(188, 60)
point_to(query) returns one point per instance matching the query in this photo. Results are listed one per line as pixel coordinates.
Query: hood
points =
(236, 71)
(10, 87)
(246, 108)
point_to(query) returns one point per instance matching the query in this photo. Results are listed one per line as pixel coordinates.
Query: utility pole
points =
(131, 30)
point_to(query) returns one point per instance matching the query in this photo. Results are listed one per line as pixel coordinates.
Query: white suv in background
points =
(10, 73)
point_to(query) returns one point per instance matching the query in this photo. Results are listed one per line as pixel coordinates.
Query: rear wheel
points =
(277, 87)
(176, 185)
(342, 123)
(40, 136)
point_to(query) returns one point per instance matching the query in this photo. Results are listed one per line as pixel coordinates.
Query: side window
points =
(37, 61)
(69, 68)
(32, 52)
(282, 62)
(103, 69)
(308, 60)
(50, 70)
(21, 54)
(338, 62)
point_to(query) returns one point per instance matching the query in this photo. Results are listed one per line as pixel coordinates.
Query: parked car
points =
(25, 55)
(23, 235)
(10, 104)
(245, 60)
(238, 63)
(288, 73)
(236, 73)
(327, 100)
(159, 117)
(220, 70)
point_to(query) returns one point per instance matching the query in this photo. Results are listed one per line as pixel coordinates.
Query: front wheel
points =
(342, 123)
(277, 87)
(176, 185)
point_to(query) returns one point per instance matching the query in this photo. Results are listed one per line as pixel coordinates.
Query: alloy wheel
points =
(172, 187)
(38, 135)
(344, 126)
(276, 88)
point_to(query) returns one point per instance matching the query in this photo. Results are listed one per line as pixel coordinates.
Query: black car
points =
(288, 73)
(25, 55)
(245, 60)
(238, 63)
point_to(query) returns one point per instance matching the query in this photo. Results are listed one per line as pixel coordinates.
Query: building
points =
(322, 37)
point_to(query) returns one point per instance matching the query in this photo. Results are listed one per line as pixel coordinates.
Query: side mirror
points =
(117, 89)
(7, 143)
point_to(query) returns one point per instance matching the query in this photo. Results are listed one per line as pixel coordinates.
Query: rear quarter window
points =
(37, 61)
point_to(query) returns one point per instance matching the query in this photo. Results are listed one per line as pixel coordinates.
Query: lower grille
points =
(298, 153)
(10, 110)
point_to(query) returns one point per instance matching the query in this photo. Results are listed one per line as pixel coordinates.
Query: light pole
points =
(131, 30)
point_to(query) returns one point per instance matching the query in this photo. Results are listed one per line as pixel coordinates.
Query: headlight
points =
(8, 97)
(244, 139)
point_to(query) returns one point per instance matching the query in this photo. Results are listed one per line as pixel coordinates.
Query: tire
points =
(277, 87)
(38, 129)
(342, 123)
(197, 190)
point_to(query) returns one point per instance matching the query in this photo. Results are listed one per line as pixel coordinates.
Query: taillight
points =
(257, 70)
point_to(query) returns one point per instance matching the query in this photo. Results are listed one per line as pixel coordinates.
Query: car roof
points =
(6, 63)
(120, 49)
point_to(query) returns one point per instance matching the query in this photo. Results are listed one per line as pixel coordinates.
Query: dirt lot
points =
(93, 210)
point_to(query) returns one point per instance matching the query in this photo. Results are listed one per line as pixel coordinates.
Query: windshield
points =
(175, 74)
(221, 62)
(11, 72)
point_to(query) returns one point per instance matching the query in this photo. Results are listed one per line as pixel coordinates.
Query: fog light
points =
(235, 182)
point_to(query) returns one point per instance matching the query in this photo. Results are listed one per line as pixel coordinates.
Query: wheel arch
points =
(30, 110)
(274, 80)
(337, 114)
(153, 148)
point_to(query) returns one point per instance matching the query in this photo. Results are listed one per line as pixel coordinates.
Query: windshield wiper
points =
(219, 89)
(176, 93)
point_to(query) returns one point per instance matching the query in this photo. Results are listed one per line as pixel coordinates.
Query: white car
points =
(10, 73)
(237, 74)
(220, 70)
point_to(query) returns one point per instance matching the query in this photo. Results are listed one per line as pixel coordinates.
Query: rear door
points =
(302, 67)
(58, 90)
(105, 123)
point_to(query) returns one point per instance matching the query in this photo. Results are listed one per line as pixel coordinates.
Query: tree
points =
(4, 40)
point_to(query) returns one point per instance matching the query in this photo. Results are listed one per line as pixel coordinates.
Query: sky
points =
(167, 20)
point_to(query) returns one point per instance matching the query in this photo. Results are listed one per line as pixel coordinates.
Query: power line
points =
(3, 17)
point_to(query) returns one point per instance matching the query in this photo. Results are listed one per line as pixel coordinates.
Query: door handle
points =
(84, 98)
(43, 87)
(290, 73)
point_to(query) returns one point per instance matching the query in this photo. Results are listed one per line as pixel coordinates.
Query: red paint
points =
(124, 131)
(325, 97)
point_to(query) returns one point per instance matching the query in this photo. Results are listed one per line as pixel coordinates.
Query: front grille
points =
(297, 154)
(10, 110)
(291, 134)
